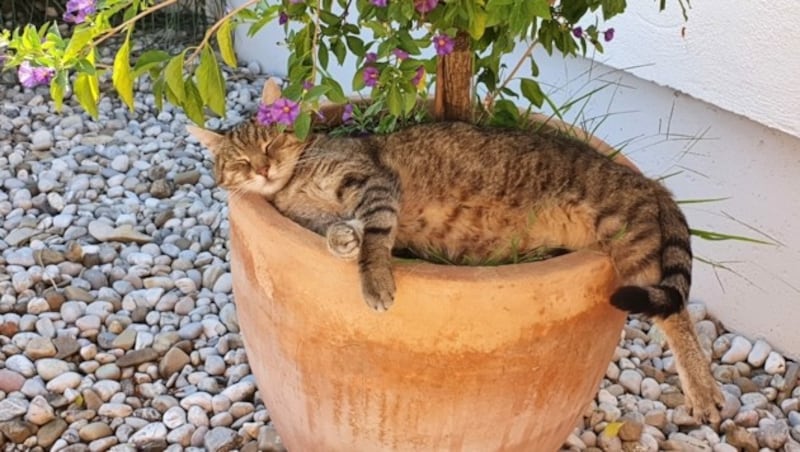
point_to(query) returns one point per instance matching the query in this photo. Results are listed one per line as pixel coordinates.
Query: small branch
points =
(490, 97)
(133, 20)
(315, 43)
(216, 26)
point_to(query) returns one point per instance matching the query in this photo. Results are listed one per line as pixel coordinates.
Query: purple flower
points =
(418, 77)
(308, 84)
(400, 54)
(379, 3)
(577, 32)
(423, 6)
(347, 114)
(77, 10)
(371, 75)
(31, 77)
(283, 18)
(608, 35)
(264, 115)
(285, 111)
(371, 57)
(444, 44)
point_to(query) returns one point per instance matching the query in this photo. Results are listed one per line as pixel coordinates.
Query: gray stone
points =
(222, 439)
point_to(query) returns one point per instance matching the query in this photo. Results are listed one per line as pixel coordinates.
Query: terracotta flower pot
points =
(468, 358)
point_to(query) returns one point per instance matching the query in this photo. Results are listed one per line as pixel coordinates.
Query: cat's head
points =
(252, 157)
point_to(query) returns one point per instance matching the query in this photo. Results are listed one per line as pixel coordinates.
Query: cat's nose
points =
(264, 171)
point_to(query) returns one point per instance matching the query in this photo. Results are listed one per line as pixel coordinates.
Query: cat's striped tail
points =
(674, 254)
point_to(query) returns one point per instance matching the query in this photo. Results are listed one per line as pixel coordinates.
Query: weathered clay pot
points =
(468, 358)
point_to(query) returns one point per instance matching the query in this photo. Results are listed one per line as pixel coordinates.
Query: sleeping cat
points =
(450, 189)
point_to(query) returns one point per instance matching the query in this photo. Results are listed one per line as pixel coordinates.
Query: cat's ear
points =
(207, 138)
(271, 92)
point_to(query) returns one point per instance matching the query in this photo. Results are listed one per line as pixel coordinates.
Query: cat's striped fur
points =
(472, 193)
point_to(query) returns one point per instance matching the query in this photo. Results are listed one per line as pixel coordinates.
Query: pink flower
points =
(371, 57)
(264, 115)
(285, 111)
(608, 35)
(379, 3)
(308, 84)
(371, 75)
(400, 54)
(77, 10)
(423, 6)
(444, 44)
(347, 114)
(31, 77)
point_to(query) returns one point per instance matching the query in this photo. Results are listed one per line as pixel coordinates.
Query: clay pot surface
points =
(468, 358)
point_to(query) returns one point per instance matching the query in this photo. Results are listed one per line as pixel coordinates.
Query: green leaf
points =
(717, 236)
(322, 56)
(173, 75)
(225, 41)
(612, 7)
(317, 92)
(335, 93)
(193, 104)
(80, 38)
(148, 60)
(57, 88)
(477, 25)
(302, 125)
(339, 50)
(356, 45)
(532, 92)
(395, 102)
(158, 92)
(88, 92)
(540, 8)
(210, 82)
(121, 74)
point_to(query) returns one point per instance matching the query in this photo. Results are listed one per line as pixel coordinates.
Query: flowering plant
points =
(400, 48)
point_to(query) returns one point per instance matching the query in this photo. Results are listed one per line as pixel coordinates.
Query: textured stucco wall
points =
(741, 56)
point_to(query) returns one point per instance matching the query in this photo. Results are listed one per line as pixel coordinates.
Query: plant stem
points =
(315, 43)
(489, 100)
(210, 32)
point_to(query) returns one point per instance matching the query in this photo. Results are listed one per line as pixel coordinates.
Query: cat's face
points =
(251, 157)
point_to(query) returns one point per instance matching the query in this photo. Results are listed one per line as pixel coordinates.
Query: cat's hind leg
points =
(344, 239)
(703, 395)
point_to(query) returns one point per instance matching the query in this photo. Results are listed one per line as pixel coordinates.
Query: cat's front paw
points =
(704, 398)
(344, 239)
(378, 289)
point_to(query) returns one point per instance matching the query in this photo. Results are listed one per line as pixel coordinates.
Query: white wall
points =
(719, 153)
(741, 56)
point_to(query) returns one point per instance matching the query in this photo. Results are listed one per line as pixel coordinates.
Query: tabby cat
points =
(448, 189)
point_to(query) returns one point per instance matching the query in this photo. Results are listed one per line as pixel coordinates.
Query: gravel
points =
(118, 329)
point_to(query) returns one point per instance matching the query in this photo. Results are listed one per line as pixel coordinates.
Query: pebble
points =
(10, 381)
(775, 364)
(39, 411)
(154, 431)
(739, 350)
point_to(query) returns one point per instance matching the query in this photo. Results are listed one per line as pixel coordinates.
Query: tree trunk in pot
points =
(453, 99)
